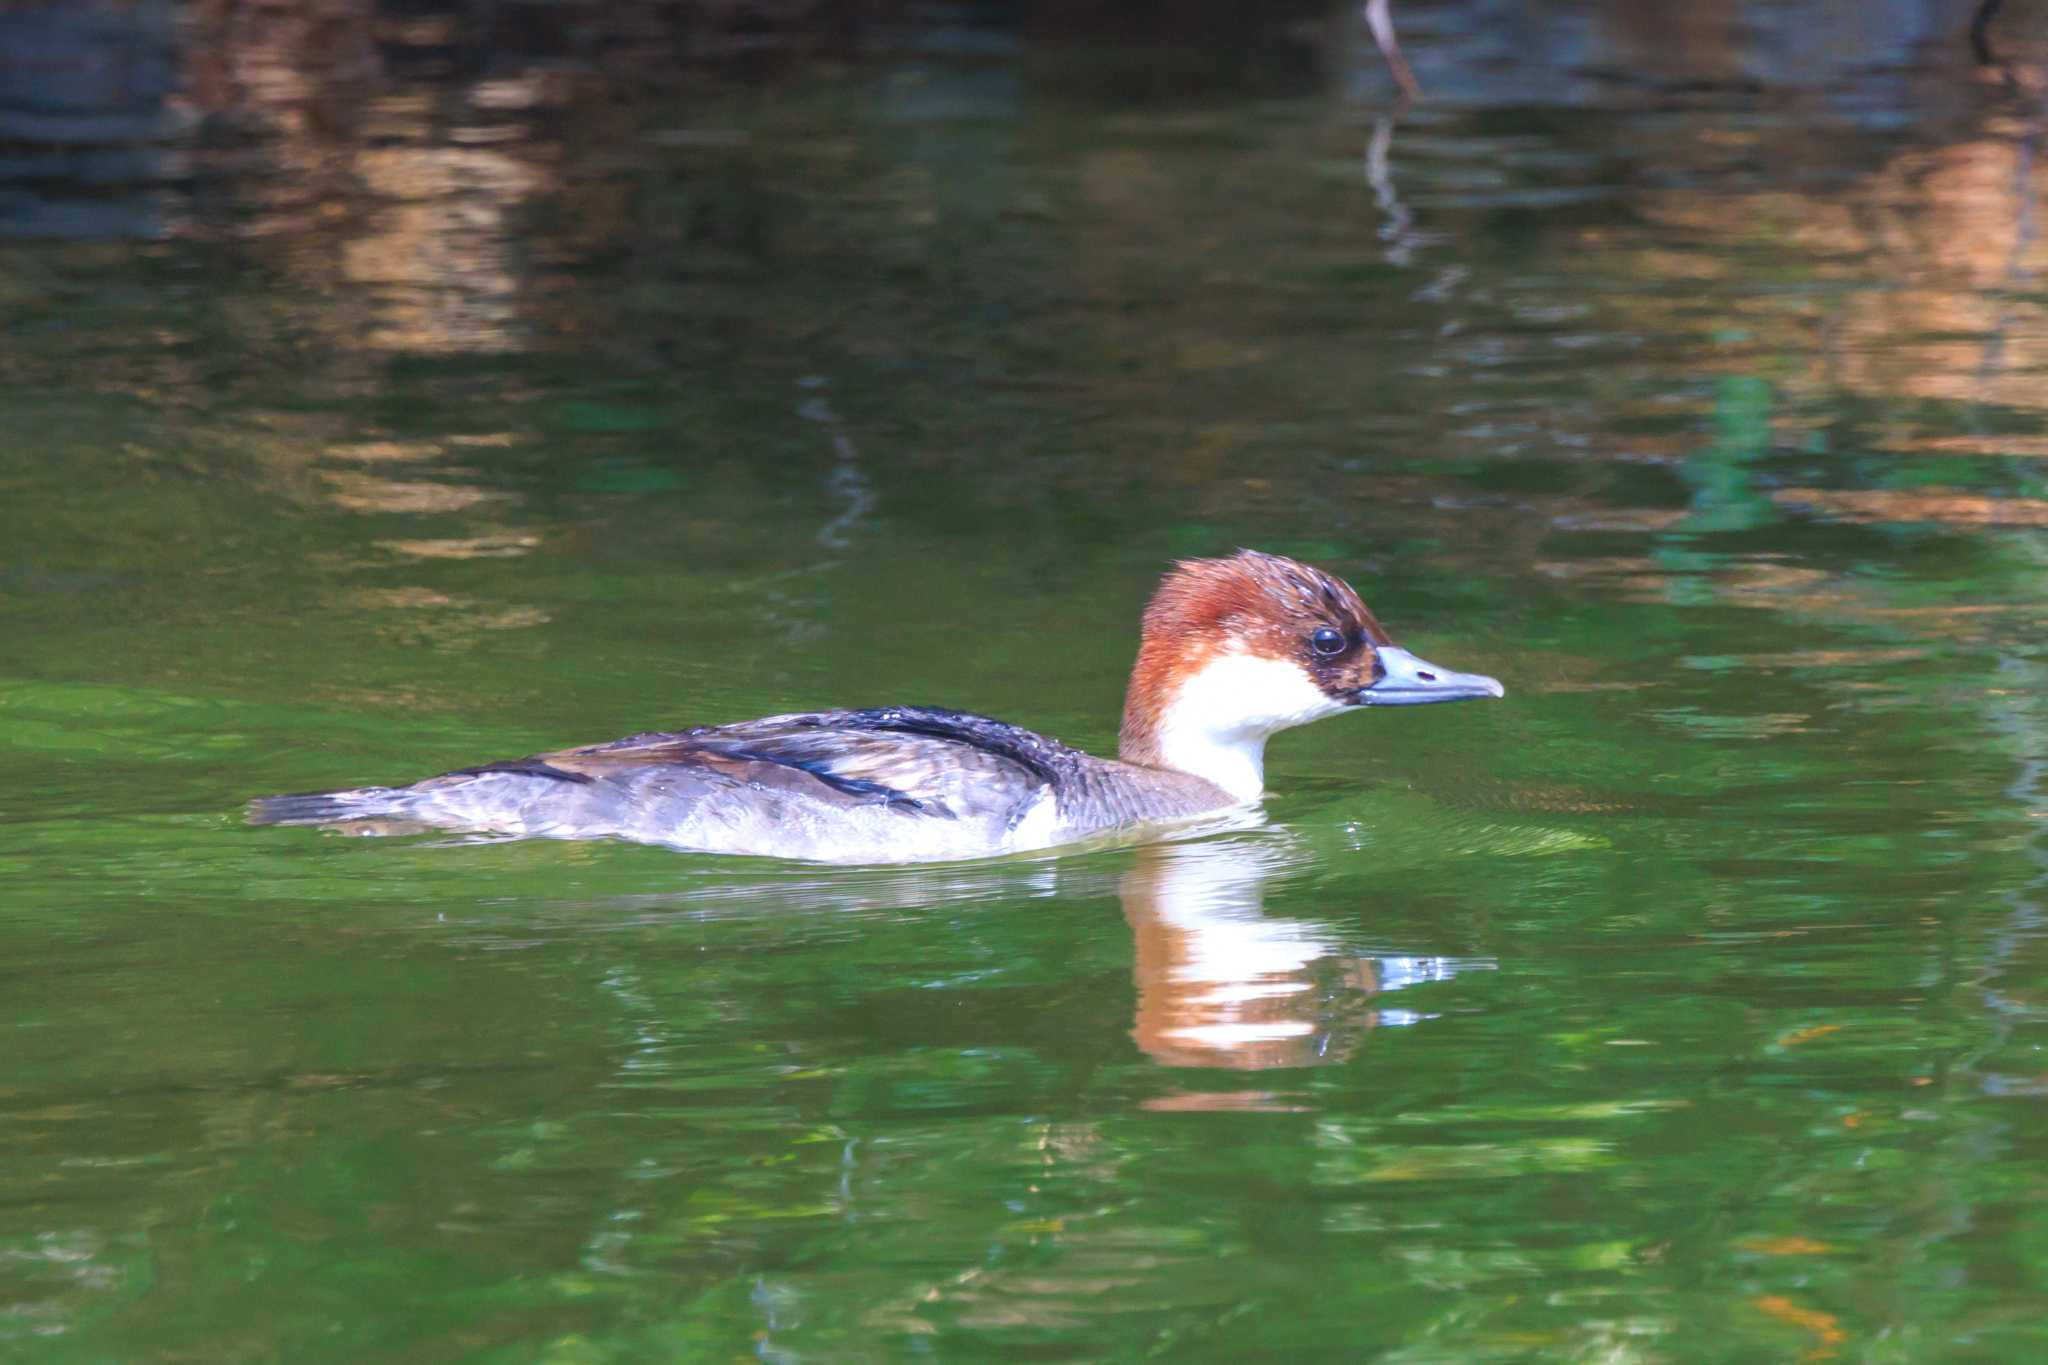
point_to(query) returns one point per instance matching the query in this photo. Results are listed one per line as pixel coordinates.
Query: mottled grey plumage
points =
(895, 784)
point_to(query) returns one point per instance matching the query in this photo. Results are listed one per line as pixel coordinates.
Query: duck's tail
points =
(329, 808)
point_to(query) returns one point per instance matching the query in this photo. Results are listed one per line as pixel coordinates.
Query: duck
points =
(1231, 651)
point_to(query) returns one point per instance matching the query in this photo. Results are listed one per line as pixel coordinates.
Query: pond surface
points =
(1690, 1005)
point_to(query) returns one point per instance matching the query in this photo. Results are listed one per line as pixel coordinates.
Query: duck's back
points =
(891, 784)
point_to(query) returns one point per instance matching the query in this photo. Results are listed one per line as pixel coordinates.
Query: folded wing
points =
(917, 760)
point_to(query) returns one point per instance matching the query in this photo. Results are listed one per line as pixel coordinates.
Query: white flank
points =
(1041, 819)
(1217, 724)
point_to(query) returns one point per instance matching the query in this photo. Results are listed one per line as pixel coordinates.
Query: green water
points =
(1690, 1005)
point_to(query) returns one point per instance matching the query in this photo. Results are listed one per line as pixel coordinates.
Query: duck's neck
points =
(1213, 721)
(1238, 767)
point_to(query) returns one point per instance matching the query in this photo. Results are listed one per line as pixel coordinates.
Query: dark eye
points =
(1327, 641)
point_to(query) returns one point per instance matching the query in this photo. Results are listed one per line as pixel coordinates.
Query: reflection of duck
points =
(1232, 651)
(1221, 984)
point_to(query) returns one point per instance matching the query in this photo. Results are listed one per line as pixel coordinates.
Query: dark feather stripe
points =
(522, 767)
(1046, 759)
(716, 744)
(821, 768)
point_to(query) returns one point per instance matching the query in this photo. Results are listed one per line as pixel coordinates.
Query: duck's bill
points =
(1409, 681)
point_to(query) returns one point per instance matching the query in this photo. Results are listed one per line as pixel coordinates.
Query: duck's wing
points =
(919, 760)
(901, 784)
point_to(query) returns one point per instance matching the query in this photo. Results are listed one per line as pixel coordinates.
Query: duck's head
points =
(1235, 650)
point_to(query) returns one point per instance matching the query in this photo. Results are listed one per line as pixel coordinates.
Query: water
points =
(414, 409)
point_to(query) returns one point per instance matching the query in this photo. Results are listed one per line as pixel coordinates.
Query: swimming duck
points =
(1231, 652)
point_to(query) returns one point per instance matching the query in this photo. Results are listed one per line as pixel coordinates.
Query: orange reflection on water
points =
(1223, 984)
(1951, 232)
(437, 251)
(394, 200)
(1945, 506)
(505, 545)
(376, 452)
(363, 492)
(1825, 1328)
(448, 621)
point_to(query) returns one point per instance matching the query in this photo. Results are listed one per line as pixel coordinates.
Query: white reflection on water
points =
(1223, 984)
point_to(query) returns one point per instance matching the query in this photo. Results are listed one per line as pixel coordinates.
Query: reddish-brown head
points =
(1234, 650)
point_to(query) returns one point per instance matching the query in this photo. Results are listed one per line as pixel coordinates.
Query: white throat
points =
(1217, 723)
